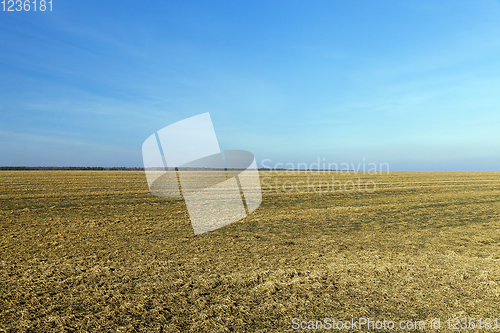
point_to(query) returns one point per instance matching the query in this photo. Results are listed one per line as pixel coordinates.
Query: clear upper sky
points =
(415, 84)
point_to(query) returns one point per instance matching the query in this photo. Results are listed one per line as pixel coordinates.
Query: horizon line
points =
(123, 168)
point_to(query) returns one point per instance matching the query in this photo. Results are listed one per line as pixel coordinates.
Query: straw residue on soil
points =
(94, 251)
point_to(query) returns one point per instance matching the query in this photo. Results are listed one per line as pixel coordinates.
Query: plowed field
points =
(95, 251)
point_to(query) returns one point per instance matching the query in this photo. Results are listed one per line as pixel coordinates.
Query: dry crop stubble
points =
(95, 251)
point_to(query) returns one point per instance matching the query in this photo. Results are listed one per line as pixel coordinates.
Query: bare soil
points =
(93, 251)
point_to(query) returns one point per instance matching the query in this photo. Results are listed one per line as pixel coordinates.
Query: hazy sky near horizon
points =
(415, 84)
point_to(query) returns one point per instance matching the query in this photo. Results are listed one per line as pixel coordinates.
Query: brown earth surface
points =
(95, 251)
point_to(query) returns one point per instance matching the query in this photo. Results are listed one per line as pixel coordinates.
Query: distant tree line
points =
(72, 168)
(122, 168)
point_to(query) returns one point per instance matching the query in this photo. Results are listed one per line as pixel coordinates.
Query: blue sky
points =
(415, 84)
